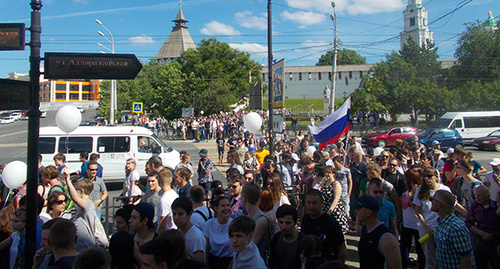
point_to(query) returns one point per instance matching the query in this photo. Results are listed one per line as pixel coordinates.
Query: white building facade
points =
(416, 24)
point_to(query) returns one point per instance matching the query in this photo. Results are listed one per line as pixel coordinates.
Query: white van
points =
(471, 125)
(114, 145)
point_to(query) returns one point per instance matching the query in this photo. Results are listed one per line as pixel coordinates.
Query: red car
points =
(387, 137)
(491, 141)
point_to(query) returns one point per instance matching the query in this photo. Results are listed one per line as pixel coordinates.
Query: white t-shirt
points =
(220, 245)
(430, 217)
(165, 208)
(283, 201)
(130, 184)
(197, 220)
(13, 248)
(494, 188)
(195, 241)
(410, 219)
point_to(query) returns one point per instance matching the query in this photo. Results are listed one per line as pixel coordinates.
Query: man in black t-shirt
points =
(220, 147)
(324, 226)
(285, 245)
(232, 142)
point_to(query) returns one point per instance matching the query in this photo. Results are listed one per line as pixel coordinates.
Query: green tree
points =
(478, 54)
(344, 57)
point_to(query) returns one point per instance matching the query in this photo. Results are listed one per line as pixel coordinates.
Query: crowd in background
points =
(287, 209)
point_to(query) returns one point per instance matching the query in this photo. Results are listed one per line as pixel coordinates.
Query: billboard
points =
(279, 84)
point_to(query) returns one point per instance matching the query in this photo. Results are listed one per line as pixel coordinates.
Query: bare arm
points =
(199, 256)
(461, 209)
(337, 193)
(428, 229)
(394, 228)
(388, 244)
(349, 185)
(342, 252)
(261, 228)
(5, 243)
(162, 224)
(74, 194)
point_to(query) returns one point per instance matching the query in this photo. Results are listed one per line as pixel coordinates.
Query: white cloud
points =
(353, 7)
(80, 1)
(218, 28)
(304, 18)
(317, 45)
(374, 6)
(141, 40)
(252, 48)
(246, 20)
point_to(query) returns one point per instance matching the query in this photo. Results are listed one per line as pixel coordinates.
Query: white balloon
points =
(14, 174)
(253, 122)
(68, 118)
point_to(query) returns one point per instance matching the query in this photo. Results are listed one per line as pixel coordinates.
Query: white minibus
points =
(471, 125)
(114, 144)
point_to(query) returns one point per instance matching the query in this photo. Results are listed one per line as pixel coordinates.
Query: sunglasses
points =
(392, 165)
(378, 192)
(92, 170)
(60, 202)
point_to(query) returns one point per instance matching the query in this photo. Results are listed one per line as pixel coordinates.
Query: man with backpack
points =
(201, 213)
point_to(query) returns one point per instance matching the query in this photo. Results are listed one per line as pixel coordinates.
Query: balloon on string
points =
(253, 122)
(68, 118)
(14, 174)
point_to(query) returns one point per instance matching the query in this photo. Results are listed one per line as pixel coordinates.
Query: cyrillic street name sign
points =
(91, 66)
(14, 94)
(11, 36)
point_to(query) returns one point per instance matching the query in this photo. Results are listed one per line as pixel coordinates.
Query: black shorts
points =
(221, 151)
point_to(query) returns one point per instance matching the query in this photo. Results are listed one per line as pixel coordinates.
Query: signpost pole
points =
(270, 75)
(33, 133)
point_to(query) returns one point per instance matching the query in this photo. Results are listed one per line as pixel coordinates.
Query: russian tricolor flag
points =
(333, 127)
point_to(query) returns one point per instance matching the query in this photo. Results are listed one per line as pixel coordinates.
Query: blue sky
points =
(302, 29)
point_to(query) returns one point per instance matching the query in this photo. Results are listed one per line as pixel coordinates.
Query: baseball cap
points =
(295, 157)
(203, 152)
(367, 201)
(147, 211)
(495, 162)
(435, 142)
(437, 152)
(450, 151)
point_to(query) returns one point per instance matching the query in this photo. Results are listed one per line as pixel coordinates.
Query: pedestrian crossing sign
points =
(137, 107)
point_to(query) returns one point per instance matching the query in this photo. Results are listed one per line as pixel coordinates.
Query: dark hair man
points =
(141, 224)
(99, 192)
(62, 240)
(153, 194)
(246, 253)
(377, 245)
(157, 254)
(182, 209)
(323, 225)
(285, 248)
(201, 213)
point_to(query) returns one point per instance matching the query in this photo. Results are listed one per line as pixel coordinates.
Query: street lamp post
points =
(333, 17)
(112, 94)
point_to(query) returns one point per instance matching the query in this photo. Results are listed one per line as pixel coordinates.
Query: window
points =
(437, 134)
(148, 145)
(60, 87)
(61, 96)
(73, 96)
(396, 131)
(495, 121)
(406, 130)
(75, 144)
(360, 74)
(319, 75)
(340, 75)
(47, 145)
(113, 144)
(330, 76)
(412, 21)
(448, 133)
(477, 122)
(300, 76)
(263, 76)
(350, 74)
(291, 77)
(456, 124)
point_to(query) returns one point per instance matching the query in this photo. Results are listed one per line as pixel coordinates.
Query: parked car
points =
(7, 120)
(25, 117)
(16, 115)
(449, 138)
(387, 137)
(491, 141)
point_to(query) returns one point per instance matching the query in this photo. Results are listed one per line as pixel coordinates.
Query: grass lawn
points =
(300, 104)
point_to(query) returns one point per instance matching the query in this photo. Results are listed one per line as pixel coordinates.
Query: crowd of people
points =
(290, 208)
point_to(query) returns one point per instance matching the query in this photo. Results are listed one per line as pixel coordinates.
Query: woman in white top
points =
(56, 202)
(429, 219)
(131, 187)
(233, 158)
(409, 231)
(216, 231)
(279, 194)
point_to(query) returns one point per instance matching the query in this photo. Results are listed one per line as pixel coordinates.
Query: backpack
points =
(100, 237)
(203, 215)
